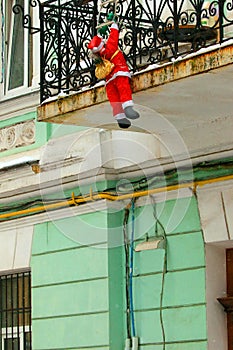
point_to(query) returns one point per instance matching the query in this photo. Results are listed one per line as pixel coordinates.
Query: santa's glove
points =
(131, 113)
(111, 17)
(103, 30)
(97, 60)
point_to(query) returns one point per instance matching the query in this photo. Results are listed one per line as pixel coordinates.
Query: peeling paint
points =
(59, 111)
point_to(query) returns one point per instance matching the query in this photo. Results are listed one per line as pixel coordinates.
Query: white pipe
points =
(127, 344)
(135, 343)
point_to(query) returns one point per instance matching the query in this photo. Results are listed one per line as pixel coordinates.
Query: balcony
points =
(163, 42)
(152, 33)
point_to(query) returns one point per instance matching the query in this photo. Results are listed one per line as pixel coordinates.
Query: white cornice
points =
(92, 207)
(18, 105)
(60, 214)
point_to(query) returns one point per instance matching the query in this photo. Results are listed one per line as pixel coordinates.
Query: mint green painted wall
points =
(58, 130)
(43, 132)
(17, 119)
(79, 290)
(71, 303)
(116, 270)
(182, 311)
(40, 133)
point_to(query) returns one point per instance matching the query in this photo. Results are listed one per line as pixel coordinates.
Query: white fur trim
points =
(120, 116)
(98, 48)
(118, 74)
(114, 25)
(127, 104)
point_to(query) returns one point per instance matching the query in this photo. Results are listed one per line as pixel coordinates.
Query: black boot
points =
(131, 113)
(124, 123)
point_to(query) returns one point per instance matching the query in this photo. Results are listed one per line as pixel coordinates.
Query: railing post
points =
(95, 16)
(67, 68)
(59, 56)
(176, 28)
(42, 66)
(221, 15)
(199, 10)
(94, 32)
(155, 23)
(134, 30)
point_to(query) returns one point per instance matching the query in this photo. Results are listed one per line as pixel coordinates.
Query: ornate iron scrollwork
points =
(27, 18)
(65, 33)
(151, 31)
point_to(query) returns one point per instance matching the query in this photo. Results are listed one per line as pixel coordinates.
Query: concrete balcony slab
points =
(197, 109)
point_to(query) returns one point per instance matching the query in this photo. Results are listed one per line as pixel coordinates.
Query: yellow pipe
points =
(111, 197)
(211, 181)
(108, 196)
(40, 208)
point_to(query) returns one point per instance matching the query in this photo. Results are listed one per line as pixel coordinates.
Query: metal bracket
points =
(26, 19)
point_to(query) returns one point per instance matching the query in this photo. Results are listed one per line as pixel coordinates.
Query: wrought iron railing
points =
(151, 31)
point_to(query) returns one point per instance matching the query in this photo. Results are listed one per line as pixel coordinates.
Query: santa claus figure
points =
(118, 81)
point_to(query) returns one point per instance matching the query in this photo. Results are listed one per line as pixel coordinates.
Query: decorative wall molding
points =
(50, 216)
(15, 248)
(17, 135)
(18, 105)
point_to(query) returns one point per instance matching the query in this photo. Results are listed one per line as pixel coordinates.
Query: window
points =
(15, 311)
(229, 309)
(215, 256)
(18, 48)
(227, 301)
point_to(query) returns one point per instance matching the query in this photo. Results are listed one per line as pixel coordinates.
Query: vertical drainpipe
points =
(134, 338)
(131, 343)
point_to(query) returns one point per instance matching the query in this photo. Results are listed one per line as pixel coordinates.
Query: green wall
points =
(74, 285)
(181, 310)
(43, 132)
(79, 289)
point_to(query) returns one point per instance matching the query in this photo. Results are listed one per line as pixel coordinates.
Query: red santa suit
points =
(117, 82)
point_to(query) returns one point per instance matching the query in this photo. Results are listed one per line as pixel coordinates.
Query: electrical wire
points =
(152, 183)
(96, 196)
(126, 248)
(161, 299)
(172, 176)
(30, 204)
(131, 271)
(158, 225)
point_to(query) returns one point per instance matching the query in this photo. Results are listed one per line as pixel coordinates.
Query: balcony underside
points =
(199, 108)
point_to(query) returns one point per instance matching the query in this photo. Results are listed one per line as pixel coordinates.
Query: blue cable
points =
(131, 274)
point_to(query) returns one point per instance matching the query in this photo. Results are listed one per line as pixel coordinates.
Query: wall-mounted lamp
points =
(157, 242)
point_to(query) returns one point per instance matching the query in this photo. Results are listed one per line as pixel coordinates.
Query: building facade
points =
(115, 239)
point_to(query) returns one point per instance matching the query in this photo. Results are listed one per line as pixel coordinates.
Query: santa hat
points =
(96, 44)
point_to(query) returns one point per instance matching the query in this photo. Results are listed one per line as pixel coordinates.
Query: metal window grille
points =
(15, 311)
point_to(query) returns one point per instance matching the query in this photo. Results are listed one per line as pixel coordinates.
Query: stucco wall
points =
(182, 309)
(78, 290)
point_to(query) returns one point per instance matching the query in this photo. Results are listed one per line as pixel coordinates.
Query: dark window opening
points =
(15, 311)
(229, 272)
